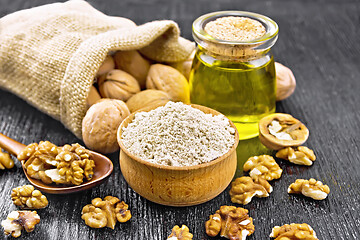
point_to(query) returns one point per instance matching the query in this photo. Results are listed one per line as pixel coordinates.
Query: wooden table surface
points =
(318, 40)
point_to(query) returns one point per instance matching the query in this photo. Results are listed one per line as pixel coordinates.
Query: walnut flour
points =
(235, 29)
(178, 135)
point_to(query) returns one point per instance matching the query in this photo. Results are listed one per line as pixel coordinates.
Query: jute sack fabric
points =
(49, 55)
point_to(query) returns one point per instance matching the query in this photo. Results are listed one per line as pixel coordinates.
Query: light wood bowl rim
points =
(176, 168)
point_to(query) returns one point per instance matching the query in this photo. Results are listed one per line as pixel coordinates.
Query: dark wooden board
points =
(319, 41)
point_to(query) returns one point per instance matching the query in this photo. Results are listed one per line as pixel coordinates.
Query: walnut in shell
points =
(133, 63)
(147, 98)
(170, 80)
(231, 222)
(118, 84)
(100, 124)
(93, 96)
(184, 67)
(293, 231)
(106, 66)
(279, 130)
(285, 82)
(243, 189)
(263, 166)
(298, 155)
(310, 188)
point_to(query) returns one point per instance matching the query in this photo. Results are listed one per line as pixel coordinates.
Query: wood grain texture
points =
(318, 40)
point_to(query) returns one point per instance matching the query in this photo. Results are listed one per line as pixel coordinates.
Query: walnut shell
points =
(100, 124)
(170, 80)
(107, 66)
(285, 82)
(133, 63)
(118, 84)
(289, 125)
(146, 99)
(93, 96)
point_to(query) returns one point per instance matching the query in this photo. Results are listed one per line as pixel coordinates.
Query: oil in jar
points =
(242, 91)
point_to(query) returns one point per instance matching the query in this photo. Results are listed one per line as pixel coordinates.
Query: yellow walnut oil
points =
(233, 71)
(242, 91)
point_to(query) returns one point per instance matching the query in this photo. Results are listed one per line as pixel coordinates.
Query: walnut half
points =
(310, 188)
(231, 222)
(27, 197)
(263, 166)
(5, 160)
(293, 231)
(298, 155)
(19, 220)
(182, 233)
(243, 189)
(101, 213)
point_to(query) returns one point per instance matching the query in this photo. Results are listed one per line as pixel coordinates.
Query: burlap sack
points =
(49, 55)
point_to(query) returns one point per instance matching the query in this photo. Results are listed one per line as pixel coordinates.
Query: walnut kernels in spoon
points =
(281, 130)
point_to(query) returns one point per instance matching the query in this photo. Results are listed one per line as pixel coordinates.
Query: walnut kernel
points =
(100, 124)
(19, 220)
(5, 160)
(293, 231)
(243, 189)
(182, 233)
(101, 213)
(263, 166)
(310, 188)
(298, 155)
(231, 222)
(27, 197)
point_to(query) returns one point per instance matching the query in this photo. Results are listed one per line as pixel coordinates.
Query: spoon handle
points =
(10, 145)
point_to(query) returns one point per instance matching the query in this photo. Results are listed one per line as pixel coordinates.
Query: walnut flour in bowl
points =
(178, 135)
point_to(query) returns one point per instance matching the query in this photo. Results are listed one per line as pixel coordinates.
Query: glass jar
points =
(235, 78)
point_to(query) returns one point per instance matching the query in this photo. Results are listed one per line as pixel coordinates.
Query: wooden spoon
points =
(103, 168)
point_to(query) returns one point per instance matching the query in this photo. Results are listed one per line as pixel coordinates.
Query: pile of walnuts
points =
(127, 82)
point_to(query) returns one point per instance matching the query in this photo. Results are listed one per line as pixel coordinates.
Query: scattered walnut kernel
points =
(231, 222)
(5, 160)
(263, 166)
(101, 213)
(182, 233)
(293, 231)
(27, 197)
(281, 130)
(243, 189)
(298, 155)
(310, 188)
(19, 220)
(69, 165)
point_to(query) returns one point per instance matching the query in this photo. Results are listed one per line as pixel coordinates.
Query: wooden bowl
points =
(176, 185)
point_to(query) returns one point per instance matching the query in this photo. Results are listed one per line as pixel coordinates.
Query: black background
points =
(318, 40)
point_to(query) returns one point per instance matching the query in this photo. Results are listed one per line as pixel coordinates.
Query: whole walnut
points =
(107, 66)
(133, 63)
(147, 98)
(100, 124)
(184, 67)
(118, 84)
(170, 80)
(285, 82)
(93, 96)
